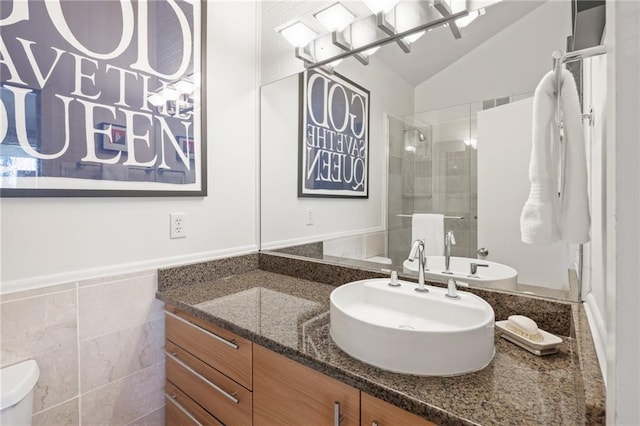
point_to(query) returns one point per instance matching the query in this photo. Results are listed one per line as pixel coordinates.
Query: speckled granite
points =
(290, 315)
(313, 250)
(552, 316)
(594, 390)
(321, 272)
(206, 271)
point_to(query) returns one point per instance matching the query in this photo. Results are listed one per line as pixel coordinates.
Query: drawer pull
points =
(172, 398)
(230, 343)
(375, 423)
(230, 396)
(337, 417)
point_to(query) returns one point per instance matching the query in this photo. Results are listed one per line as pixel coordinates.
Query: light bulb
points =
(335, 17)
(298, 34)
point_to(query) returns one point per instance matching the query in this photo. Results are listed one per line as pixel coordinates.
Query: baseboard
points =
(315, 238)
(598, 332)
(31, 283)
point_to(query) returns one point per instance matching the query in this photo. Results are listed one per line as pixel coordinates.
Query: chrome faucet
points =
(449, 239)
(417, 249)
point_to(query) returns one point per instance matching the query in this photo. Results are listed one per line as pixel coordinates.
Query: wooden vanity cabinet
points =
(215, 377)
(376, 412)
(288, 393)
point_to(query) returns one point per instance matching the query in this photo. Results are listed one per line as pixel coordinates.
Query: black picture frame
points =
(149, 174)
(333, 149)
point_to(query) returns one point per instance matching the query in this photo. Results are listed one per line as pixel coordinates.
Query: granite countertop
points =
(290, 315)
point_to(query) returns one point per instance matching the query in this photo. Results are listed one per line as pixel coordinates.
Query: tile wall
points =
(455, 193)
(400, 189)
(363, 246)
(99, 346)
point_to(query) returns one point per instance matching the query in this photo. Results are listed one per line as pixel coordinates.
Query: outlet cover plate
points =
(178, 225)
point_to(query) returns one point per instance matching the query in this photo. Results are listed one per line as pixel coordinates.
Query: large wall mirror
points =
(449, 134)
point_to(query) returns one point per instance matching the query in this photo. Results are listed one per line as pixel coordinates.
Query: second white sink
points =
(495, 275)
(401, 330)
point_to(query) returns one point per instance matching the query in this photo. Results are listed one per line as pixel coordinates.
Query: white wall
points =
(50, 240)
(283, 214)
(623, 210)
(594, 290)
(505, 132)
(511, 62)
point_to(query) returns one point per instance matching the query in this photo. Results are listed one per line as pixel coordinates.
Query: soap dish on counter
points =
(548, 345)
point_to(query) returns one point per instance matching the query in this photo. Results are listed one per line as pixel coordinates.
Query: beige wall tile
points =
(155, 418)
(58, 380)
(65, 414)
(37, 325)
(40, 291)
(113, 306)
(375, 244)
(110, 357)
(124, 400)
(118, 277)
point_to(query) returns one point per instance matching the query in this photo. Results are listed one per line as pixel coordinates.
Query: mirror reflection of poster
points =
(98, 98)
(334, 137)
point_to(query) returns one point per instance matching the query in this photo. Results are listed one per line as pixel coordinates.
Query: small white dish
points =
(548, 340)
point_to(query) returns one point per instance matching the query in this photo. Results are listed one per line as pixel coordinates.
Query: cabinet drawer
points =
(221, 349)
(176, 415)
(181, 410)
(376, 412)
(228, 401)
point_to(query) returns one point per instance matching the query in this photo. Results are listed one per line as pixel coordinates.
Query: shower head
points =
(420, 134)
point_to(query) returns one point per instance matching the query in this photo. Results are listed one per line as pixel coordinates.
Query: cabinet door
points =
(376, 412)
(288, 393)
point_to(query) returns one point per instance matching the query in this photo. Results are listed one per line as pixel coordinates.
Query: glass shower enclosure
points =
(433, 169)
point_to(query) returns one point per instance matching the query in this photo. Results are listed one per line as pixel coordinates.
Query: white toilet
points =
(16, 393)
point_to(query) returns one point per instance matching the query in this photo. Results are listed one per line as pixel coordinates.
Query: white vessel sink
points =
(495, 275)
(401, 330)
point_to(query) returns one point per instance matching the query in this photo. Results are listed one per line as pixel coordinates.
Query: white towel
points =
(430, 228)
(557, 208)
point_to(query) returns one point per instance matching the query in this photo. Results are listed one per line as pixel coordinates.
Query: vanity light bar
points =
(444, 9)
(310, 63)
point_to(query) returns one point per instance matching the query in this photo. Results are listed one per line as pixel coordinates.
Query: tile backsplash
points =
(99, 346)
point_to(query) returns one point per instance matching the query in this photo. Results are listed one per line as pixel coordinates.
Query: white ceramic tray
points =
(548, 340)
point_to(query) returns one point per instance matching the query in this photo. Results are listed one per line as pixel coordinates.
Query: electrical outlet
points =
(178, 227)
(309, 220)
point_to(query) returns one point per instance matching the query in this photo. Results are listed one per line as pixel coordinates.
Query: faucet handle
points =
(474, 267)
(415, 248)
(451, 237)
(394, 279)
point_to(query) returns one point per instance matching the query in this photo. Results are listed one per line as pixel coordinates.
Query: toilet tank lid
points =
(16, 381)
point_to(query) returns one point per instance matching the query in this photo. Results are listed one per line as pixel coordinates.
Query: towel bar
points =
(446, 217)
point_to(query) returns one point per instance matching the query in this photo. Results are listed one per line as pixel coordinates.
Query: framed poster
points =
(102, 98)
(334, 137)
